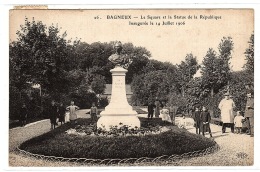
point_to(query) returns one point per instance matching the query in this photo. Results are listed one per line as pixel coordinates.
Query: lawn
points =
(16, 123)
(58, 143)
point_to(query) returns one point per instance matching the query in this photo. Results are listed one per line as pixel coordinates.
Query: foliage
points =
(115, 131)
(150, 85)
(98, 84)
(103, 102)
(215, 69)
(74, 70)
(225, 48)
(249, 53)
(58, 143)
(37, 55)
(237, 89)
(64, 69)
(157, 80)
(186, 70)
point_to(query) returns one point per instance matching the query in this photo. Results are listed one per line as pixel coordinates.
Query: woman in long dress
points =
(165, 115)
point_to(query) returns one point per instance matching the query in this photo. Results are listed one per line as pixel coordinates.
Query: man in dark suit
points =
(150, 109)
(53, 113)
(197, 119)
(249, 114)
(205, 121)
(172, 112)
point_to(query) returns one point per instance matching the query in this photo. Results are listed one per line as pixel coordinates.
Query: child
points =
(67, 116)
(205, 120)
(93, 113)
(238, 122)
(197, 120)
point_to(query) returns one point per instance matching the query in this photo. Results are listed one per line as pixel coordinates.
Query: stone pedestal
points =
(118, 110)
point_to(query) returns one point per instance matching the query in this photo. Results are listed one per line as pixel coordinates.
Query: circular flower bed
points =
(116, 131)
(61, 144)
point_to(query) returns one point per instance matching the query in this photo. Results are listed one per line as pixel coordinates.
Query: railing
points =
(135, 161)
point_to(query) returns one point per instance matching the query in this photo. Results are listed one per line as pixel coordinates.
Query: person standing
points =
(182, 122)
(172, 112)
(165, 115)
(72, 109)
(62, 111)
(93, 113)
(53, 113)
(238, 122)
(249, 114)
(23, 115)
(150, 109)
(226, 107)
(197, 120)
(157, 108)
(205, 121)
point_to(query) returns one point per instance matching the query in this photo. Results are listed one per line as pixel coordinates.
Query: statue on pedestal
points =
(118, 111)
(118, 59)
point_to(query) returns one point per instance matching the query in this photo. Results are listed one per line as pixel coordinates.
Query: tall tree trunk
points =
(182, 91)
(212, 92)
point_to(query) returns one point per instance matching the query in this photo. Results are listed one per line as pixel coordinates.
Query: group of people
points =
(59, 112)
(154, 109)
(202, 121)
(235, 119)
(202, 116)
(228, 117)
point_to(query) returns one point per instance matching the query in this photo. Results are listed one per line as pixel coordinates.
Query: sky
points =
(165, 42)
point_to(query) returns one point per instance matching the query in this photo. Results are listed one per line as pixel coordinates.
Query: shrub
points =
(58, 143)
(103, 102)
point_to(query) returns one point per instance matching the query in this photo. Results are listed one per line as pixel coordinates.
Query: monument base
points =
(105, 122)
(118, 111)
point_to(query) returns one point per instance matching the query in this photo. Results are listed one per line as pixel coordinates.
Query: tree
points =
(151, 85)
(225, 48)
(249, 53)
(138, 88)
(210, 74)
(187, 69)
(216, 68)
(37, 55)
(140, 57)
(98, 84)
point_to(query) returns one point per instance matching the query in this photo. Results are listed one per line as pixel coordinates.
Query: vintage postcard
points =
(131, 87)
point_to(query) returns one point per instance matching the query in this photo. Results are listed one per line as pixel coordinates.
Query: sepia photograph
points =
(131, 87)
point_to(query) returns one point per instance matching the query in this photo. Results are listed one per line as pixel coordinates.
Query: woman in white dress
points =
(165, 115)
(72, 109)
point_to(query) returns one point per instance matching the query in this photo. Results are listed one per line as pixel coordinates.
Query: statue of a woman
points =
(118, 59)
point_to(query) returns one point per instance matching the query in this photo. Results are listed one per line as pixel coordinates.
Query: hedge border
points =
(135, 161)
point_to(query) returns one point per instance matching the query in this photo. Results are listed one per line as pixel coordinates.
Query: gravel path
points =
(235, 149)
